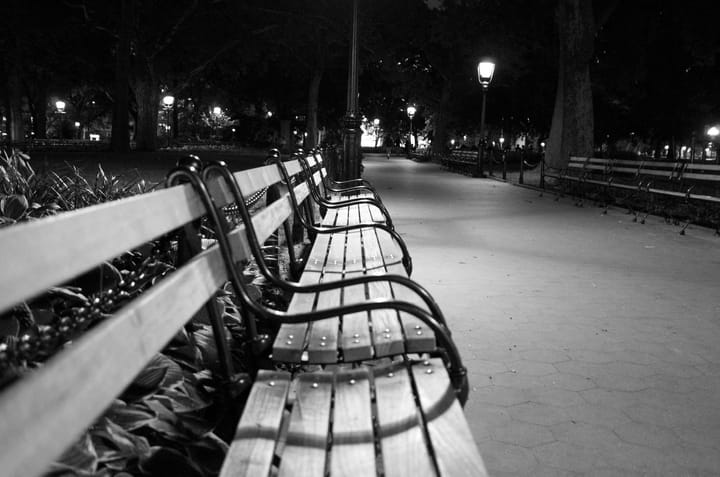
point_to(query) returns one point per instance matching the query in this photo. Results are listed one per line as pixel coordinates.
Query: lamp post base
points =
(350, 165)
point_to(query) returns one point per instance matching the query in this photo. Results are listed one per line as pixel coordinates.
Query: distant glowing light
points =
(168, 100)
(60, 105)
(713, 131)
(217, 110)
(411, 110)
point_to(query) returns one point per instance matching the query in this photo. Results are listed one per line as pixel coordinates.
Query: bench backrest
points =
(44, 412)
(677, 171)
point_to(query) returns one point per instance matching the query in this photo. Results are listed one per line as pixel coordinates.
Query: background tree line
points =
(575, 71)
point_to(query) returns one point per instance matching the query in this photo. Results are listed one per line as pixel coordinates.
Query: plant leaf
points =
(80, 458)
(164, 461)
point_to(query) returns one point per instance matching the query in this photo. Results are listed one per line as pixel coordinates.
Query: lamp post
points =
(713, 132)
(485, 69)
(168, 102)
(411, 110)
(216, 112)
(376, 128)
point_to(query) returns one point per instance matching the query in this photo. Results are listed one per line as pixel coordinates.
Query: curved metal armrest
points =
(393, 278)
(359, 182)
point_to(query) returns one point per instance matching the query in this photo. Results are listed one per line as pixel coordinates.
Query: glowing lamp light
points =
(269, 114)
(452, 142)
(376, 122)
(411, 110)
(713, 131)
(502, 140)
(217, 110)
(60, 105)
(485, 70)
(77, 124)
(168, 100)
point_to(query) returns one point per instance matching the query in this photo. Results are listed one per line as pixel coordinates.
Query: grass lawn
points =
(151, 166)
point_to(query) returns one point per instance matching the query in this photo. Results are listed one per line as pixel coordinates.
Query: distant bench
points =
(650, 185)
(387, 401)
(461, 160)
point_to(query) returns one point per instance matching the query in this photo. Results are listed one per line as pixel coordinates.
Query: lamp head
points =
(486, 69)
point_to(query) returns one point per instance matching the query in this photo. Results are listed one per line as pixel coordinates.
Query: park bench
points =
(372, 410)
(675, 189)
(461, 160)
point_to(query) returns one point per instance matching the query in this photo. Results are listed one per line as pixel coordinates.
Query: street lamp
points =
(485, 69)
(60, 105)
(713, 132)
(216, 112)
(376, 127)
(168, 102)
(411, 110)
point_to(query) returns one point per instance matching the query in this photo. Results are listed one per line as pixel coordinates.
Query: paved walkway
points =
(592, 342)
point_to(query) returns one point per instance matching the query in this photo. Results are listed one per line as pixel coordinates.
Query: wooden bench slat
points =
(322, 340)
(356, 339)
(402, 440)
(71, 243)
(354, 251)
(289, 344)
(455, 449)
(318, 253)
(335, 260)
(353, 449)
(82, 380)
(701, 176)
(253, 447)
(387, 332)
(305, 451)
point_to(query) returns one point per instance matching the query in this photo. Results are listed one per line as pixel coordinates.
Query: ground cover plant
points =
(178, 415)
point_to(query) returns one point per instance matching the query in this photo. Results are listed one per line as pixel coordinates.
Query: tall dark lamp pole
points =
(486, 69)
(351, 138)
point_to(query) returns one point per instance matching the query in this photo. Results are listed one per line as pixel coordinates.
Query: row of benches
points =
(367, 380)
(676, 189)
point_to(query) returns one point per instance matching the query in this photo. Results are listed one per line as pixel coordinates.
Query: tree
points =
(573, 124)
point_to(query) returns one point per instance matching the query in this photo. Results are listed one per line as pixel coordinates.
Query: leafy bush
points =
(177, 415)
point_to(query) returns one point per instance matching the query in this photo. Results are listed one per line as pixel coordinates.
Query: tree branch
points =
(201, 67)
(86, 17)
(170, 36)
(605, 14)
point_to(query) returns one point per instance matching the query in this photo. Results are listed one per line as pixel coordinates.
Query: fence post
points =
(521, 179)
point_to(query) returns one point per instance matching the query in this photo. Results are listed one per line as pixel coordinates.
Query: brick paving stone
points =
(523, 434)
(649, 435)
(537, 413)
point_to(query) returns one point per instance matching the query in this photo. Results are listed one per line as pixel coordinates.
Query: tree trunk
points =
(147, 95)
(439, 142)
(312, 111)
(16, 123)
(572, 128)
(120, 138)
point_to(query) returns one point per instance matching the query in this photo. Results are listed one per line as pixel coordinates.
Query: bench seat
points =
(399, 418)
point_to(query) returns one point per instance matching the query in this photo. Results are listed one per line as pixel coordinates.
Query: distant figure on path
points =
(388, 146)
